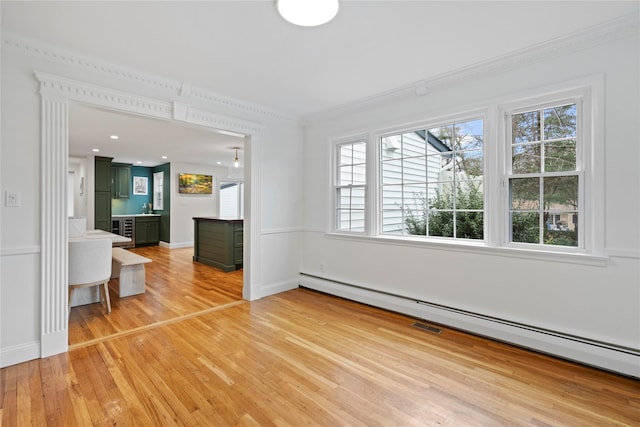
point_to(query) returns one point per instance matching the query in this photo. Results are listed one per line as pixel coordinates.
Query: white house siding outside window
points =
(350, 186)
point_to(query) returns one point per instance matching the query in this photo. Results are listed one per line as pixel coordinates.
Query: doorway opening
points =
(56, 95)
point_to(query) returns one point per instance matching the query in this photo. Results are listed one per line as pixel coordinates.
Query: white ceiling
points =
(244, 50)
(143, 141)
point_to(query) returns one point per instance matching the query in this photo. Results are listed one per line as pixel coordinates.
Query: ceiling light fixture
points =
(308, 13)
(236, 160)
(114, 137)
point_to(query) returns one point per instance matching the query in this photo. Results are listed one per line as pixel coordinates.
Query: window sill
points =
(480, 248)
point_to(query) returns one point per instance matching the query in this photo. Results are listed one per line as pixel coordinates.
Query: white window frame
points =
(589, 91)
(587, 95)
(335, 159)
(480, 114)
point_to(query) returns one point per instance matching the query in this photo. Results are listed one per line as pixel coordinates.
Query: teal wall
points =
(133, 205)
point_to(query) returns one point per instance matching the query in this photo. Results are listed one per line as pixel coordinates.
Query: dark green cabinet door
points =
(103, 210)
(103, 174)
(102, 193)
(121, 180)
(147, 231)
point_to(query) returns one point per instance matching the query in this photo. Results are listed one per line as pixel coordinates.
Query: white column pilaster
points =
(54, 150)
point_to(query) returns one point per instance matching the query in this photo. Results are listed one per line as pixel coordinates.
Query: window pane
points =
(469, 195)
(413, 144)
(415, 223)
(524, 193)
(441, 195)
(346, 154)
(357, 198)
(561, 193)
(469, 164)
(351, 197)
(560, 122)
(359, 152)
(392, 197)
(392, 172)
(359, 174)
(525, 158)
(440, 167)
(469, 225)
(345, 175)
(392, 222)
(437, 165)
(441, 137)
(414, 169)
(441, 223)
(561, 229)
(560, 156)
(391, 147)
(415, 196)
(357, 221)
(525, 227)
(469, 135)
(525, 127)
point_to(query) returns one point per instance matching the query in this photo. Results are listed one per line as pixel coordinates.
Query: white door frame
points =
(56, 94)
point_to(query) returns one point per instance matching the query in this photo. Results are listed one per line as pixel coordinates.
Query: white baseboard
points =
(600, 355)
(176, 245)
(274, 288)
(19, 353)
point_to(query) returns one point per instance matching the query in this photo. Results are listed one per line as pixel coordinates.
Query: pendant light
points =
(236, 160)
(308, 13)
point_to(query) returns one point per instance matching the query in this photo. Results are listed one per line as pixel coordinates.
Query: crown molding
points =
(622, 27)
(180, 89)
(63, 88)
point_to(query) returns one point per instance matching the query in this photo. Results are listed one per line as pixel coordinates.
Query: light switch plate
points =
(12, 199)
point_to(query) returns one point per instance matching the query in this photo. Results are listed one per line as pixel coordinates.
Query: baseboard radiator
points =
(601, 355)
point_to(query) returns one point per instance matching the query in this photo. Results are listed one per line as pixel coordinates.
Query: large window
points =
(350, 187)
(521, 174)
(544, 178)
(432, 181)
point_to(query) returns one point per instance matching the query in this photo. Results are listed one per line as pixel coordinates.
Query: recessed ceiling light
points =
(218, 163)
(114, 137)
(164, 157)
(96, 150)
(139, 163)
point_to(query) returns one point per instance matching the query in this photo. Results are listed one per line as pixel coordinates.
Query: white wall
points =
(275, 226)
(78, 166)
(185, 206)
(599, 303)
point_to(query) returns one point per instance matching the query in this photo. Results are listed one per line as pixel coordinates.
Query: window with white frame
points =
(431, 181)
(350, 186)
(522, 174)
(544, 175)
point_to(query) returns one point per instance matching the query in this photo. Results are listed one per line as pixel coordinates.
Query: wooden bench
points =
(129, 269)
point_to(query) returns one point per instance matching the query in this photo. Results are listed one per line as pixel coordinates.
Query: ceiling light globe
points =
(308, 13)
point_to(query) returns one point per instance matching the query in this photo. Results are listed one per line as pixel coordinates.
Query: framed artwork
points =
(140, 184)
(191, 183)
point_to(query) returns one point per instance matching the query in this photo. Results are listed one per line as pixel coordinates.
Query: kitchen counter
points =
(218, 242)
(129, 215)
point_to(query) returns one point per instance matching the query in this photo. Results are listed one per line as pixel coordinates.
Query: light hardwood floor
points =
(175, 287)
(305, 358)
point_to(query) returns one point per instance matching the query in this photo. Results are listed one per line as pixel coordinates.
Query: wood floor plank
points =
(300, 358)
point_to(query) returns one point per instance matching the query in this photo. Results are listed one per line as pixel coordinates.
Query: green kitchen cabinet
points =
(147, 230)
(121, 180)
(219, 242)
(102, 193)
